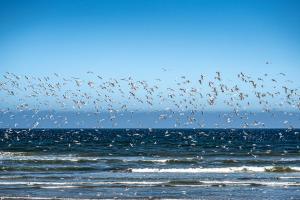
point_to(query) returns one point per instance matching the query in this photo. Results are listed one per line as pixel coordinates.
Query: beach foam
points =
(217, 169)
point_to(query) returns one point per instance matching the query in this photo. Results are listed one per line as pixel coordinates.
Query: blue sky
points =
(118, 38)
(138, 38)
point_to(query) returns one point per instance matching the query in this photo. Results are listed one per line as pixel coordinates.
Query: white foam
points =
(168, 160)
(78, 184)
(289, 159)
(246, 183)
(158, 160)
(10, 154)
(59, 187)
(32, 183)
(205, 183)
(138, 182)
(72, 158)
(208, 170)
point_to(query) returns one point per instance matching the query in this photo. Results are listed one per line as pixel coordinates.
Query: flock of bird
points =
(184, 98)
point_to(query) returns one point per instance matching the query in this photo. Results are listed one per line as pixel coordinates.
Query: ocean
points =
(150, 164)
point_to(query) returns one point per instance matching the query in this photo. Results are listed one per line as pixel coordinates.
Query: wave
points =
(29, 158)
(290, 159)
(173, 161)
(59, 186)
(283, 169)
(46, 158)
(80, 184)
(34, 198)
(24, 157)
(217, 170)
(289, 177)
(178, 183)
(233, 183)
(149, 160)
(60, 159)
(47, 169)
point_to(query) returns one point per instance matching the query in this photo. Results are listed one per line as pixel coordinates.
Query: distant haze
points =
(150, 120)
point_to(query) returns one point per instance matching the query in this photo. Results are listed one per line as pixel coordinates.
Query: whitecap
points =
(214, 170)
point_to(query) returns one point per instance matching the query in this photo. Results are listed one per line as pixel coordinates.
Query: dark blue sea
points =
(150, 164)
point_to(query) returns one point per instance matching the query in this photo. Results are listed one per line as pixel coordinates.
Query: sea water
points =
(150, 163)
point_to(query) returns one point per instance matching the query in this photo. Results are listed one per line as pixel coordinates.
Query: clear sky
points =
(138, 38)
(118, 38)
